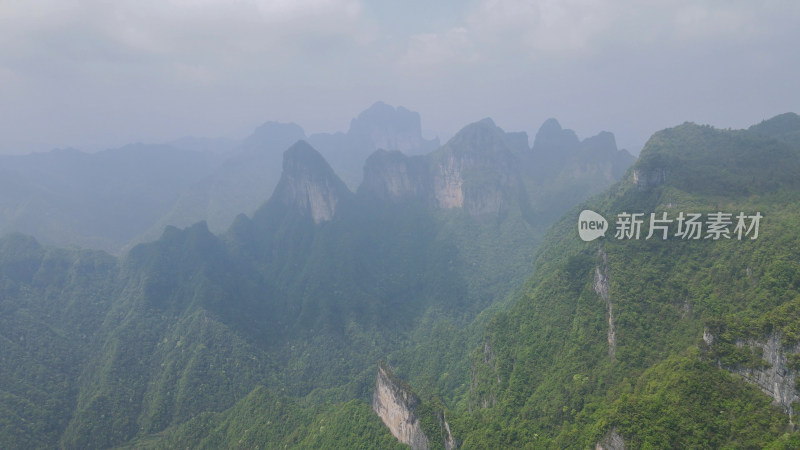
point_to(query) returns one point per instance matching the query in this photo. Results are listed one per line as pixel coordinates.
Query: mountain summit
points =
(389, 128)
(475, 170)
(309, 184)
(380, 126)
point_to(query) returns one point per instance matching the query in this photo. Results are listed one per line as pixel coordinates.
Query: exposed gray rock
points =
(395, 405)
(777, 380)
(448, 183)
(396, 177)
(309, 185)
(601, 288)
(611, 441)
(476, 170)
(649, 178)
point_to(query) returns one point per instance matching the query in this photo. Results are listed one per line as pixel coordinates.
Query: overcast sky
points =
(95, 74)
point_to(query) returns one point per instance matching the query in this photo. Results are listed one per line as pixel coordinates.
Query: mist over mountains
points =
(446, 302)
(114, 199)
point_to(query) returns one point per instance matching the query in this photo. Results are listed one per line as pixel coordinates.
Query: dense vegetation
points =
(268, 335)
(98, 351)
(545, 374)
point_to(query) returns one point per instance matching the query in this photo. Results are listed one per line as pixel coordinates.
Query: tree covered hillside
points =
(179, 341)
(651, 342)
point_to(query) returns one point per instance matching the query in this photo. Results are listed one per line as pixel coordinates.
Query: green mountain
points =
(654, 343)
(209, 340)
(619, 342)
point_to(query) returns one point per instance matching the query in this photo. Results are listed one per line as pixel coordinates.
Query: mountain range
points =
(117, 198)
(447, 302)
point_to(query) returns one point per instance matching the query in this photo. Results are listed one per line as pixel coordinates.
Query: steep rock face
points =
(611, 441)
(309, 184)
(476, 170)
(391, 175)
(448, 182)
(649, 178)
(778, 379)
(601, 288)
(395, 404)
(489, 172)
(485, 200)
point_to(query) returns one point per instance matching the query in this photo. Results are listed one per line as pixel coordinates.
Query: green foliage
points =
(52, 304)
(544, 376)
(193, 322)
(265, 420)
(268, 336)
(685, 403)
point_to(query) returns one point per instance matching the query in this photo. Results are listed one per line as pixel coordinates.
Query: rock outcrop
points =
(649, 178)
(490, 173)
(601, 288)
(396, 405)
(476, 170)
(777, 380)
(309, 185)
(611, 441)
(448, 183)
(393, 176)
(778, 377)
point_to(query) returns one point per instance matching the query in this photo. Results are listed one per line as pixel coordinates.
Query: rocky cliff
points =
(309, 185)
(476, 170)
(488, 172)
(776, 378)
(393, 176)
(649, 178)
(401, 410)
(600, 285)
(611, 441)
(379, 127)
(396, 405)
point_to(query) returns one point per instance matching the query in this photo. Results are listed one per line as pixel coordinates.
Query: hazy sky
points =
(97, 73)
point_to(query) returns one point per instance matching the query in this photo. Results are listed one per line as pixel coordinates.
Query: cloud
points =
(73, 69)
(574, 29)
(432, 50)
(87, 30)
(544, 26)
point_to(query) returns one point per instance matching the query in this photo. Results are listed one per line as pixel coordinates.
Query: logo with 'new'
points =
(591, 225)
